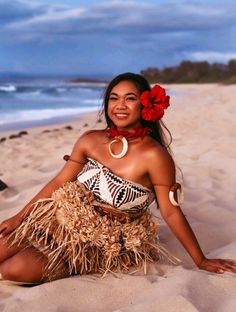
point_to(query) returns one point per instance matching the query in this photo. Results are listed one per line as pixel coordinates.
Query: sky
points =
(86, 38)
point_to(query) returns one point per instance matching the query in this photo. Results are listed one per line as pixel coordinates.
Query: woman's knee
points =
(13, 269)
(23, 268)
(4, 249)
(7, 250)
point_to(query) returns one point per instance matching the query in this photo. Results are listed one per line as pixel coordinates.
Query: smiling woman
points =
(94, 215)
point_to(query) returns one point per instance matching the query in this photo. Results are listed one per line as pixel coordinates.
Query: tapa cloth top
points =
(110, 188)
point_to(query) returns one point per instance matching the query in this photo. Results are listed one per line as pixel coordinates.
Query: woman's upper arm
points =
(79, 155)
(162, 175)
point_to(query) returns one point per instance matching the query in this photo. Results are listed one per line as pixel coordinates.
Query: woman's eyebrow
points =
(130, 93)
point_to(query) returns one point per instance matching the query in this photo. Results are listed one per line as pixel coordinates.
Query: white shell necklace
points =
(124, 150)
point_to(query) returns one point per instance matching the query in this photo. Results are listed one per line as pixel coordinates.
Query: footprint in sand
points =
(10, 194)
(48, 168)
(25, 184)
(195, 157)
(216, 173)
(226, 282)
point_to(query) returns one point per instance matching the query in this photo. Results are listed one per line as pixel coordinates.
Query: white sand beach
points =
(202, 122)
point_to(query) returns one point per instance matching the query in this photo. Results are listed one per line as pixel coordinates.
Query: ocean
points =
(32, 102)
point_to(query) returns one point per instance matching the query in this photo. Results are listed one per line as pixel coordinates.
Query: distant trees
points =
(189, 72)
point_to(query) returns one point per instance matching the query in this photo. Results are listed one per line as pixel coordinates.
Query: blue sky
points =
(109, 37)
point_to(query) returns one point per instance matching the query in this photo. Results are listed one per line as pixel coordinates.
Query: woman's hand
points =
(9, 225)
(218, 265)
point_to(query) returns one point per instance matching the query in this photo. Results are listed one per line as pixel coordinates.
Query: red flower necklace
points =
(137, 132)
(123, 136)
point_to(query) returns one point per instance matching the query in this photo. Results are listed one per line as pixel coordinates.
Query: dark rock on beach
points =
(46, 131)
(23, 133)
(18, 135)
(3, 185)
(14, 136)
(69, 128)
(3, 139)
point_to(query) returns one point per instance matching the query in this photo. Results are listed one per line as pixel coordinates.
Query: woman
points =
(93, 217)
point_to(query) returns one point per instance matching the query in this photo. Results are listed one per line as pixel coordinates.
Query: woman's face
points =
(124, 108)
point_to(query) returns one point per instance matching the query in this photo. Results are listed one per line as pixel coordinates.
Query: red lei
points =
(137, 132)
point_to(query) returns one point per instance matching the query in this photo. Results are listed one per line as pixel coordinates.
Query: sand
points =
(202, 122)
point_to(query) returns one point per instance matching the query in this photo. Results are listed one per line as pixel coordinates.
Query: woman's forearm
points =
(182, 230)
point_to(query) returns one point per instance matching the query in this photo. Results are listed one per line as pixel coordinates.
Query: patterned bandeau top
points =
(109, 188)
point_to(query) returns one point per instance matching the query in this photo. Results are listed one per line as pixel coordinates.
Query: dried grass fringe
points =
(87, 235)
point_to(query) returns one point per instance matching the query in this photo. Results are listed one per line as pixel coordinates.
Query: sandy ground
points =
(202, 122)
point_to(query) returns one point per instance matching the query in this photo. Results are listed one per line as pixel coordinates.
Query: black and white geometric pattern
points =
(114, 190)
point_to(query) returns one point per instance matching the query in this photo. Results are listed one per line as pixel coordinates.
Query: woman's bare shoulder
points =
(160, 164)
(85, 143)
(89, 138)
(90, 135)
(157, 153)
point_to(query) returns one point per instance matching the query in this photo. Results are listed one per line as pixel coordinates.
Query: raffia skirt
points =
(80, 235)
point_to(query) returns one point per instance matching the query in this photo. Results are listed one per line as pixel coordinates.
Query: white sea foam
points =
(61, 89)
(8, 88)
(92, 102)
(34, 115)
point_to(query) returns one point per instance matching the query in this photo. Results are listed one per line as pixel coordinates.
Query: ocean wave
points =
(89, 85)
(60, 89)
(8, 88)
(36, 101)
(92, 102)
(53, 91)
(34, 115)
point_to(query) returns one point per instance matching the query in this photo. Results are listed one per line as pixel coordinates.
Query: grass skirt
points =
(79, 234)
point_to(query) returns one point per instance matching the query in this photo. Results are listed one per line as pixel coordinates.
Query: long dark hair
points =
(158, 127)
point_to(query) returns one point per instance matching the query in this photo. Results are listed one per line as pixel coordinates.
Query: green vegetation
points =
(193, 72)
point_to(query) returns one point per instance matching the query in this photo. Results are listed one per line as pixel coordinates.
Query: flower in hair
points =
(154, 102)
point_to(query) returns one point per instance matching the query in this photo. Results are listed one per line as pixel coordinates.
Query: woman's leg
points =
(25, 266)
(6, 251)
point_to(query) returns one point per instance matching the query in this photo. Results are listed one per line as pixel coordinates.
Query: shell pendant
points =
(176, 190)
(124, 150)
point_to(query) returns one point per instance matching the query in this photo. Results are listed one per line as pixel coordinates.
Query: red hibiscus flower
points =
(154, 102)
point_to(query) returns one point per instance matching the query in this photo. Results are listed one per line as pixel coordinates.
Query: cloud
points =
(114, 17)
(51, 17)
(212, 56)
(127, 35)
(19, 10)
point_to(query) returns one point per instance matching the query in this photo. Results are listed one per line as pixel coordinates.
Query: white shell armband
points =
(124, 151)
(176, 194)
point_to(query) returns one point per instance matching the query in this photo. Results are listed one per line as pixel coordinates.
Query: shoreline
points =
(25, 125)
(45, 124)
